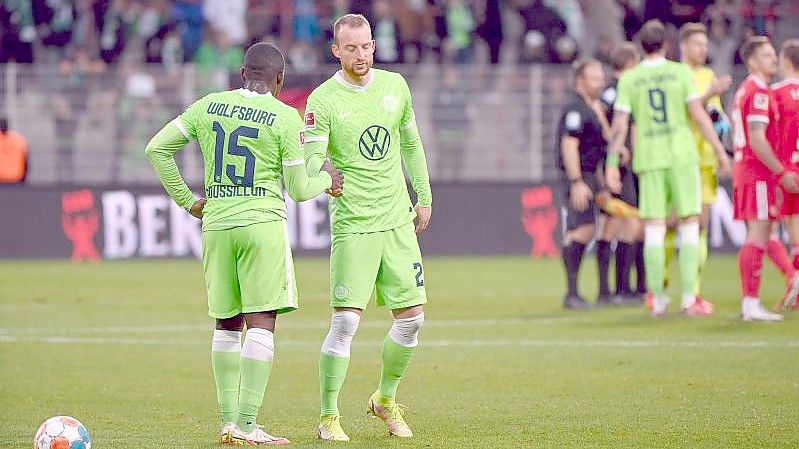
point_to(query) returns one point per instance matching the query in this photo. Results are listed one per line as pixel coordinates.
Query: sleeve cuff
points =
(621, 108)
(757, 118)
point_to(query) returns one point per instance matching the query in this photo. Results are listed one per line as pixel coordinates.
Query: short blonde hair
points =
(350, 20)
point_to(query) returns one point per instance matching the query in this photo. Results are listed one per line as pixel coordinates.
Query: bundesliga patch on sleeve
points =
(760, 101)
(310, 121)
(573, 121)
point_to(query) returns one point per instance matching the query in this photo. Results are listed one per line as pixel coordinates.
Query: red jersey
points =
(785, 139)
(753, 103)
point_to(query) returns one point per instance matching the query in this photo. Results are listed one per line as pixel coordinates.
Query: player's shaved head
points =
(350, 21)
(652, 36)
(263, 62)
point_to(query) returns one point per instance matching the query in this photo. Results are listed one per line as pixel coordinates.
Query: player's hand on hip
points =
(197, 208)
(613, 179)
(790, 180)
(580, 195)
(337, 186)
(423, 214)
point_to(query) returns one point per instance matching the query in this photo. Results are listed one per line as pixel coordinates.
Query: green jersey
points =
(656, 94)
(248, 141)
(368, 131)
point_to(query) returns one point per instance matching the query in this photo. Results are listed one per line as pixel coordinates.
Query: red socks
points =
(750, 264)
(779, 255)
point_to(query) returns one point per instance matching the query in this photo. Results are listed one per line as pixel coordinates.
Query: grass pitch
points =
(124, 347)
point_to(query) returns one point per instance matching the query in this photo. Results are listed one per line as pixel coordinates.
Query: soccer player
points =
(629, 230)
(693, 50)
(248, 139)
(758, 175)
(581, 140)
(363, 119)
(665, 159)
(785, 141)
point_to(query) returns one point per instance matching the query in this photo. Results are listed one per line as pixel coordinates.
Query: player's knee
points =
(689, 233)
(405, 331)
(654, 234)
(343, 327)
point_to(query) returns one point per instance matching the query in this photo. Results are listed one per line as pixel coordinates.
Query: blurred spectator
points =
(18, 32)
(723, 42)
(604, 29)
(571, 13)
(490, 28)
(303, 58)
(386, 31)
(460, 29)
(55, 20)
(631, 21)
(188, 16)
(542, 29)
(306, 22)
(761, 14)
(13, 155)
(161, 42)
(437, 11)
(114, 21)
(414, 27)
(218, 61)
(227, 17)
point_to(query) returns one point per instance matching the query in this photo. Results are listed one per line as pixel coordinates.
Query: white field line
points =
(425, 343)
(287, 324)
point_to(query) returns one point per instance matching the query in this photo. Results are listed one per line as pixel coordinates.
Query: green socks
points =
(332, 372)
(396, 359)
(703, 254)
(671, 246)
(256, 364)
(225, 356)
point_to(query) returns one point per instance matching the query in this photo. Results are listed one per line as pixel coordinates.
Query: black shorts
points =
(572, 217)
(629, 187)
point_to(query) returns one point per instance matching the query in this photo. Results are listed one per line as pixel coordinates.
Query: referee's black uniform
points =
(579, 121)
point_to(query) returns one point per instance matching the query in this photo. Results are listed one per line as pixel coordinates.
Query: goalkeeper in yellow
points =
(693, 51)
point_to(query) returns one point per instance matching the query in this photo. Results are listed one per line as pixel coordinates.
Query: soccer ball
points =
(62, 432)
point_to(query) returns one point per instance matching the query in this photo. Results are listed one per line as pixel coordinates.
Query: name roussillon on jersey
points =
(221, 191)
(242, 113)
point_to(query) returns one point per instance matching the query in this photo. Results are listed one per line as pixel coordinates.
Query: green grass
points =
(500, 364)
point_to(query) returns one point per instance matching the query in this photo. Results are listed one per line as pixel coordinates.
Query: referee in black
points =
(582, 133)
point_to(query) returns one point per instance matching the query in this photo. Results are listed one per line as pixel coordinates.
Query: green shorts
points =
(387, 262)
(677, 188)
(249, 269)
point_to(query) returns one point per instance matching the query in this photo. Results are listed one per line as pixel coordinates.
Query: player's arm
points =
(699, 115)
(717, 87)
(618, 135)
(761, 146)
(161, 152)
(317, 131)
(299, 184)
(415, 162)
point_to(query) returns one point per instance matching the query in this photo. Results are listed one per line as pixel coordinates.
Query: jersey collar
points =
(343, 81)
(653, 62)
(252, 94)
(758, 81)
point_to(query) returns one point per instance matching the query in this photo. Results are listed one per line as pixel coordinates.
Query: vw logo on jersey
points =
(374, 142)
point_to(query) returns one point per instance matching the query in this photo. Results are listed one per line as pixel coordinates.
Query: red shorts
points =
(790, 204)
(759, 200)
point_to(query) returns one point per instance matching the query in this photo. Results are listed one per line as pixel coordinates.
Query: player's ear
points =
(243, 75)
(335, 50)
(278, 82)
